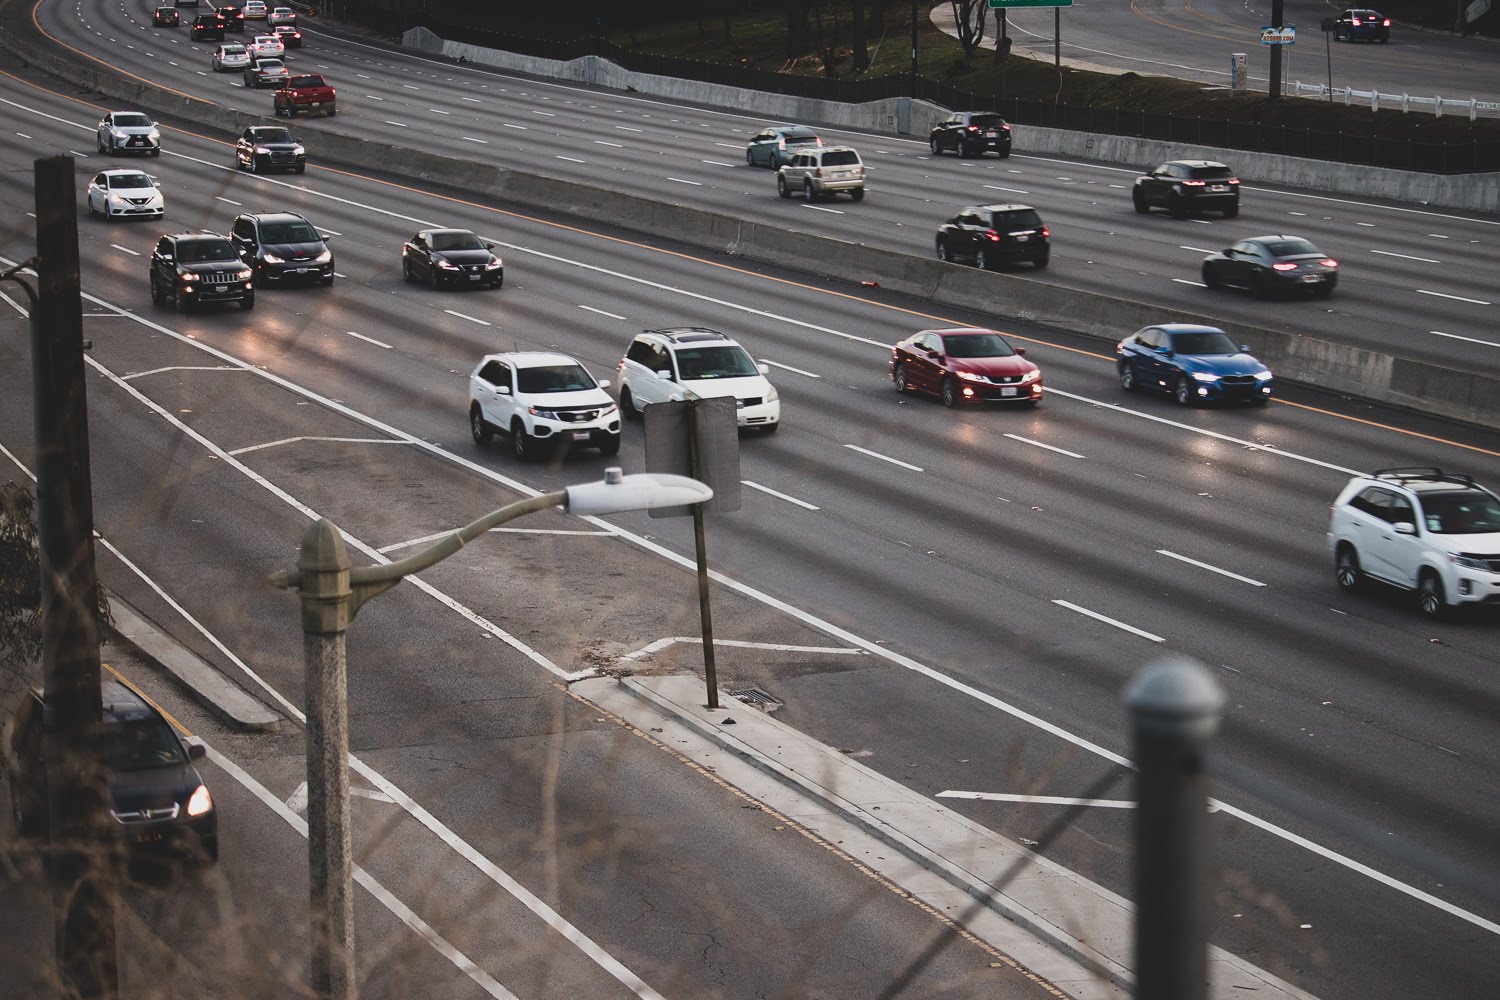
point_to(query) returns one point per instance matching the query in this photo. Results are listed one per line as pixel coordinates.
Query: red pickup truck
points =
(304, 92)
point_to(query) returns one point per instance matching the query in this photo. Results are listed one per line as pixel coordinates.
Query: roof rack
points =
(688, 334)
(1425, 474)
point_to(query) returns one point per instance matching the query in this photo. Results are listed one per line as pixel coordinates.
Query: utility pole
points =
(1278, 18)
(80, 829)
(913, 48)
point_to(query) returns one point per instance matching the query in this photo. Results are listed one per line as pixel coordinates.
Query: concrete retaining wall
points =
(1361, 373)
(1473, 192)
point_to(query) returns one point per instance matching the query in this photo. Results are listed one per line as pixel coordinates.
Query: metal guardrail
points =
(1390, 102)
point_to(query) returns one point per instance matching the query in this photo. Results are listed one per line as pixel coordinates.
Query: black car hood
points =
(462, 256)
(206, 266)
(294, 251)
(152, 788)
(277, 146)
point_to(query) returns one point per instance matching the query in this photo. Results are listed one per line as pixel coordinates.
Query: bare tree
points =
(861, 43)
(969, 16)
(796, 27)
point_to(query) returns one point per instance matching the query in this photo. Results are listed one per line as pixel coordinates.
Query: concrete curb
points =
(1075, 933)
(1360, 373)
(228, 703)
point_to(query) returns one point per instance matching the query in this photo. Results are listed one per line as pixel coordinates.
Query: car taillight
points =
(1386, 23)
(1005, 127)
(1285, 266)
(781, 144)
(1193, 184)
(1234, 180)
(972, 128)
(1046, 232)
(990, 234)
(1355, 22)
(1329, 262)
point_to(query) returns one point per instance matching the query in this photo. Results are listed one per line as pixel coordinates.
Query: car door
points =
(99, 193)
(759, 147)
(486, 385)
(105, 124)
(1384, 551)
(1151, 364)
(243, 238)
(949, 130)
(1158, 184)
(926, 369)
(421, 257)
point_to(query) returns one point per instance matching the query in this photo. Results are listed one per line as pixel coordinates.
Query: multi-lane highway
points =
(1000, 569)
(1414, 283)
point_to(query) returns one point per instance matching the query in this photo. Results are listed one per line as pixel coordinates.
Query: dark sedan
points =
(1266, 265)
(1196, 364)
(165, 17)
(971, 133)
(991, 235)
(1362, 25)
(269, 147)
(451, 257)
(774, 145)
(964, 365)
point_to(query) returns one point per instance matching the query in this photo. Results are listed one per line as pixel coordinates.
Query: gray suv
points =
(823, 172)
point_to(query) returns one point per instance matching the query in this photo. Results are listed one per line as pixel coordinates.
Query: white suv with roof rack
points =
(665, 365)
(541, 401)
(1420, 529)
(822, 172)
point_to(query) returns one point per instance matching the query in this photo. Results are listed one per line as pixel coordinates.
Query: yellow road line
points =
(147, 699)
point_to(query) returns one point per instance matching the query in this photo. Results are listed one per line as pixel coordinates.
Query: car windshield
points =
(840, 158)
(137, 744)
(274, 135)
(1291, 248)
(977, 345)
(129, 181)
(1027, 219)
(132, 121)
(987, 121)
(1461, 513)
(456, 241)
(554, 378)
(714, 362)
(1215, 342)
(192, 251)
(289, 232)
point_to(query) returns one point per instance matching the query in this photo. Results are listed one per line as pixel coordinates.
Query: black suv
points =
(207, 26)
(156, 796)
(269, 147)
(971, 133)
(197, 268)
(990, 235)
(1187, 187)
(282, 246)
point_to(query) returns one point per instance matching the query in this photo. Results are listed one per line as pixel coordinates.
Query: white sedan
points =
(255, 10)
(282, 15)
(122, 194)
(230, 56)
(267, 47)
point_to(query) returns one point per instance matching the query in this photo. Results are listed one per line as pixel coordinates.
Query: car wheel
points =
(480, 428)
(326, 282)
(858, 194)
(982, 260)
(1005, 155)
(1430, 598)
(1127, 378)
(964, 152)
(942, 251)
(1209, 281)
(627, 404)
(949, 392)
(749, 158)
(899, 377)
(406, 274)
(1346, 568)
(99, 142)
(808, 194)
(157, 295)
(1232, 212)
(1139, 201)
(932, 143)
(332, 112)
(522, 445)
(610, 445)
(255, 164)
(1041, 262)
(1182, 391)
(1177, 207)
(781, 187)
(184, 303)
(156, 151)
(432, 277)
(1258, 285)
(247, 303)
(300, 168)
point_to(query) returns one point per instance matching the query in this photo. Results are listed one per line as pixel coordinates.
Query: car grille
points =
(578, 414)
(219, 277)
(283, 156)
(1233, 381)
(139, 201)
(147, 815)
(748, 401)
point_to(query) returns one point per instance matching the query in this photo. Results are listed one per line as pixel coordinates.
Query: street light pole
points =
(332, 591)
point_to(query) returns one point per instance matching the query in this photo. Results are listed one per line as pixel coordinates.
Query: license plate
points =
(473, 277)
(221, 288)
(992, 134)
(1023, 237)
(1007, 392)
(1218, 187)
(150, 837)
(579, 435)
(1312, 277)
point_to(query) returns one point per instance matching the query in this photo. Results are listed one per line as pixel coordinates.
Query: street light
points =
(332, 592)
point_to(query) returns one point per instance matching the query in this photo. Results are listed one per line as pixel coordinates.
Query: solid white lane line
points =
(1109, 621)
(601, 142)
(397, 124)
(1455, 298)
(228, 202)
(370, 340)
(1195, 284)
(628, 128)
(132, 253)
(471, 319)
(679, 180)
(509, 125)
(1424, 260)
(601, 312)
(1040, 800)
(718, 163)
(1472, 340)
(996, 187)
(471, 100)
(1209, 567)
(470, 138)
(383, 895)
(780, 496)
(1038, 444)
(298, 440)
(1195, 249)
(571, 159)
(820, 208)
(658, 645)
(777, 364)
(883, 458)
(428, 539)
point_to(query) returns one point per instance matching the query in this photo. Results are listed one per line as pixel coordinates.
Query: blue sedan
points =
(1196, 364)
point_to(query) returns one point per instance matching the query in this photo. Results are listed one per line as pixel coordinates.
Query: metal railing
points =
(1391, 102)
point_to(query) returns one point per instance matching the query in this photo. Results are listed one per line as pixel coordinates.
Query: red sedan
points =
(963, 365)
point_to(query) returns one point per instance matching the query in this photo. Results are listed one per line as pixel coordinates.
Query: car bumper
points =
(1229, 392)
(987, 145)
(1214, 199)
(134, 211)
(472, 279)
(1369, 34)
(1293, 281)
(592, 433)
(296, 272)
(759, 414)
(272, 161)
(989, 392)
(853, 184)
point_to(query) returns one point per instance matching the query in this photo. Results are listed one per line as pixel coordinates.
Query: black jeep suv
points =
(197, 268)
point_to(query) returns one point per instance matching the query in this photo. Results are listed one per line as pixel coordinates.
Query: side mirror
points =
(604, 383)
(503, 390)
(1021, 351)
(1406, 528)
(196, 748)
(664, 374)
(488, 245)
(1244, 348)
(327, 237)
(167, 256)
(763, 369)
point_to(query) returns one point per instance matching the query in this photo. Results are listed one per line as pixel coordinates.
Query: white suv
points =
(817, 172)
(1424, 530)
(541, 401)
(663, 365)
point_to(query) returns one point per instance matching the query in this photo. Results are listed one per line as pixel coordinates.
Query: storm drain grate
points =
(758, 698)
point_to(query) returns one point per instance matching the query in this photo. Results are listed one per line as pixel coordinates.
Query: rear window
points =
(841, 158)
(1212, 173)
(1020, 219)
(306, 81)
(987, 121)
(1290, 248)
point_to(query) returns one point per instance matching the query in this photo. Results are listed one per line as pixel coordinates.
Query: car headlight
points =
(1031, 376)
(243, 274)
(298, 151)
(494, 263)
(188, 277)
(154, 135)
(1263, 376)
(323, 257)
(117, 133)
(200, 802)
(1205, 376)
(771, 394)
(1468, 563)
(611, 408)
(971, 377)
(537, 411)
(447, 265)
(262, 151)
(271, 258)
(117, 198)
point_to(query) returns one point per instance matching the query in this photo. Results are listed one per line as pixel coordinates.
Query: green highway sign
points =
(995, 4)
